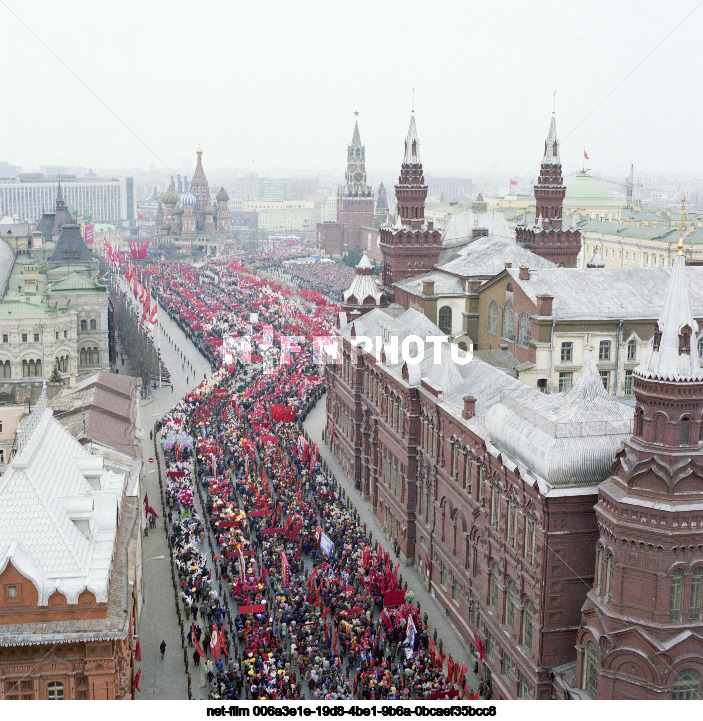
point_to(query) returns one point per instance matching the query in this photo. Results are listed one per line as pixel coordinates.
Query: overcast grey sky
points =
(275, 83)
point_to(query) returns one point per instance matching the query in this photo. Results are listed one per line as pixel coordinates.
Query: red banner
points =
(176, 474)
(445, 694)
(271, 531)
(256, 608)
(260, 512)
(394, 598)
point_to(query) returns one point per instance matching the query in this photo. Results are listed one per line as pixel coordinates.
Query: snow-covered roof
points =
(364, 286)
(487, 256)
(668, 362)
(58, 511)
(444, 284)
(561, 440)
(619, 293)
(461, 226)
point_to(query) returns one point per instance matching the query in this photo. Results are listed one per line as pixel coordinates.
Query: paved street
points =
(163, 679)
(453, 644)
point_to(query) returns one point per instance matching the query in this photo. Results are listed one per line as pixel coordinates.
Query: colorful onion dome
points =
(188, 200)
(222, 195)
(169, 197)
(209, 210)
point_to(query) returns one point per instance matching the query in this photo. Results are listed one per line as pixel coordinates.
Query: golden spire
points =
(683, 208)
(199, 150)
(412, 111)
(554, 104)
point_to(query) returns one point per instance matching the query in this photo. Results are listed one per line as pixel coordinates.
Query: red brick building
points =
(355, 205)
(487, 487)
(547, 237)
(69, 537)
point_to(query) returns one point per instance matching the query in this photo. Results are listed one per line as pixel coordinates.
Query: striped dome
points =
(169, 197)
(188, 200)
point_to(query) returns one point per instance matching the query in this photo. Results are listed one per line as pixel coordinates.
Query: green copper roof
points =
(583, 191)
(10, 309)
(75, 282)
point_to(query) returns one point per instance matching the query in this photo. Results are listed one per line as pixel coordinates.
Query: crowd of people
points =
(326, 277)
(287, 595)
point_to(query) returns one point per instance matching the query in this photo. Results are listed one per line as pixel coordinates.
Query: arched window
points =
(676, 591)
(5, 369)
(37, 369)
(600, 577)
(468, 463)
(96, 357)
(525, 330)
(590, 670)
(639, 422)
(660, 421)
(495, 507)
(83, 357)
(631, 349)
(493, 318)
(700, 347)
(25, 369)
(687, 685)
(509, 321)
(84, 325)
(694, 609)
(93, 325)
(527, 616)
(54, 691)
(510, 604)
(685, 424)
(445, 319)
(493, 586)
(608, 577)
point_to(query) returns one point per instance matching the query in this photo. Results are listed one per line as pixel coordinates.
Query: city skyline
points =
(285, 96)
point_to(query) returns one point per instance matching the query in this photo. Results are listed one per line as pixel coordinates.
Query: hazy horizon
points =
(276, 86)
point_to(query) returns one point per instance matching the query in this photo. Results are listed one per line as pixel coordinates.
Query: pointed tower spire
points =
(683, 210)
(356, 137)
(672, 357)
(412, 144)
(551, 145)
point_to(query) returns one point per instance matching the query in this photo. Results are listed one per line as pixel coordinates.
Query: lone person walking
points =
(163, 648)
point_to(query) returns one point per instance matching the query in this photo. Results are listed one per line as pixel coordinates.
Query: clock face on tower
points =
(358, 177)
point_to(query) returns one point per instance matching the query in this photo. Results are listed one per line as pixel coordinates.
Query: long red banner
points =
(256, 608)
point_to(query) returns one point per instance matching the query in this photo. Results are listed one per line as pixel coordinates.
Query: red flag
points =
(215, 643)
(140, 215)
(224, 642)
(450, 668)
(462, 674)
(146, 500)
(334, 644)
(135, 683)
(196, 643)
(479, 645)
(585, 154)
(440, 660)
(151, 511)
(138, 652)
(513, 182)
(432, 651)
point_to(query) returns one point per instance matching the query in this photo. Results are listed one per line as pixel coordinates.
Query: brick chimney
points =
(544, 304)
(427, 287)
(524, 273)
(474, 285)
(469, 407)
(508, 264)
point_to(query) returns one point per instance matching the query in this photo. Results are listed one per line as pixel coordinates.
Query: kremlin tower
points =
(546, 237)
(411, 246)
(642, 624)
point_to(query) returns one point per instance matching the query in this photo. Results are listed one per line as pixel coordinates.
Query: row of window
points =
(84, 326)
(508, 326)
(89, 357)
(661, 420)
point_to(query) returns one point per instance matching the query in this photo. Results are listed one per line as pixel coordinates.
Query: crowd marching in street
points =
(286, 594)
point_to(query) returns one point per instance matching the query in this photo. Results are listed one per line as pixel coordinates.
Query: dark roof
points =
(71, 247)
